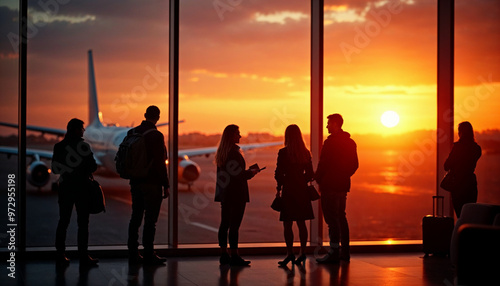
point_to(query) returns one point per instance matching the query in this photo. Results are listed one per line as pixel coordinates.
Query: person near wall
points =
(461, 162)
(337, 163)
(293, 172)
(74, 161)
(232, 192)
(147, 193)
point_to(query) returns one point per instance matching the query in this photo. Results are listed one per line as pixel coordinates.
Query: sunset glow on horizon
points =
(250, 65)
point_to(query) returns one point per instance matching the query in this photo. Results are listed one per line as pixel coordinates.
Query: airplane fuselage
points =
(105, 142)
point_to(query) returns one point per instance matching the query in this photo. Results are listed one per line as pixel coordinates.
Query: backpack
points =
(131, 158)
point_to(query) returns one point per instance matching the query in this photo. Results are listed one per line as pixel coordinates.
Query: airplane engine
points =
(189, 171)
(38, 174)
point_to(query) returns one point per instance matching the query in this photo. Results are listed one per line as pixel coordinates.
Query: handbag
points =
(97, 202)
(277, 204)
(313, 193)
(449, 182)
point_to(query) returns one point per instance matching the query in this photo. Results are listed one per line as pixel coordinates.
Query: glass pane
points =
(477, 88)
(130, 57)
(380, 75)
(9, 62)
(244, 63)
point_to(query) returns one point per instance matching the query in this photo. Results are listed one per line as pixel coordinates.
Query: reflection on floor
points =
(364, 269)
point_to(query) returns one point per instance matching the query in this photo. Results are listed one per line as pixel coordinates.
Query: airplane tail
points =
(95, 117)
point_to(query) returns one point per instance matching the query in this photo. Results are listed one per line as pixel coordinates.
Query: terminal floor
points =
(364, 269)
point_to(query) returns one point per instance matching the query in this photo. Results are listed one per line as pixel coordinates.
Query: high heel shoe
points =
(286, 260)
(300, 259)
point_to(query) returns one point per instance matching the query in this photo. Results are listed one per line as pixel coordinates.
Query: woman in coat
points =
(293, 171)
(232, 192)
(74, 161)
(461, 163)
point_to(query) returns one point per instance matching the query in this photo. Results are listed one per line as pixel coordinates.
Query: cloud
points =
(259, 48)
(8, 29)
(280, 17)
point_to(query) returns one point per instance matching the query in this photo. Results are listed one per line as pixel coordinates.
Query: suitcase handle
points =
(437, 206)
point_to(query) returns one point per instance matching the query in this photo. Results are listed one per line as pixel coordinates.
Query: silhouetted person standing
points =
(461, 162)
(338, 162)
(293, 171)
(147, 192)
(74, 161)
(232, 193)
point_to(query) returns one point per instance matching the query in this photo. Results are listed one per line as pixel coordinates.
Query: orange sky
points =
(249, 64)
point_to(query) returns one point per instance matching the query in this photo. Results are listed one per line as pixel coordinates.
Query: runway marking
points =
(200, 225)
(207, 227)
(128, 202)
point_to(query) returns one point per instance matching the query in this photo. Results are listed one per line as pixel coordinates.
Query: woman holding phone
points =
(232, 192)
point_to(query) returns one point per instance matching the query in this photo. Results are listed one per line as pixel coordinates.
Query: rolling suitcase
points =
(437, 229)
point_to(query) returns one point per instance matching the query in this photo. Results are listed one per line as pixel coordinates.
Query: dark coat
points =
(462, 162)
(73, 160)
(156, 152)
(232, 185)
(293, 177)
(337, 163)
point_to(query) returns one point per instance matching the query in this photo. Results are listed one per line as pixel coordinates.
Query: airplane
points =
(105, 141)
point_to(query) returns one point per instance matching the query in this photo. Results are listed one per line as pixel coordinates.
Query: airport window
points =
(381, 78)
(259, 82)
(249, 64)
(476, 88)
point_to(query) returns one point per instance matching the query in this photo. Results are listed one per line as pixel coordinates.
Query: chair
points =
(475, 245)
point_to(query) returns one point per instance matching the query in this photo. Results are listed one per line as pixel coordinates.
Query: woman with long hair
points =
(293, 171)
(232, 192)
(461, 163)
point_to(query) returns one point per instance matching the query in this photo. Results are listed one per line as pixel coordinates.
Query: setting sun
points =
(389, 119)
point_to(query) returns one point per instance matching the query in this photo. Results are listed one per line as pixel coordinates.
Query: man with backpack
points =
(146, 187)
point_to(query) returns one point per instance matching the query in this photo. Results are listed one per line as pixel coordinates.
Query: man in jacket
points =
(337, 163)
(74, 161)
(147, 192)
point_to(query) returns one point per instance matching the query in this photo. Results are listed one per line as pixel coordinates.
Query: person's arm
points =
(89, 163)
(309, 173)
(353, 159)
(323, 162)
(235, 167)
(159, 160)
(450, 161)
(479, 152)
(279, 173)
(56, 162)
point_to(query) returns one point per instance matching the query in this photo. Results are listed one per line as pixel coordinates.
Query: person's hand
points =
(166, 192)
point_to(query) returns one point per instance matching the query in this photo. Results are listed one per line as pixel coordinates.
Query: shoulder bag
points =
(97, 202)
(313, 193)
(277, 204)
(449, 182)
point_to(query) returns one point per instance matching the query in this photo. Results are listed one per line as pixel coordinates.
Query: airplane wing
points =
(212, 150)
(53, 131)
(44, 154)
